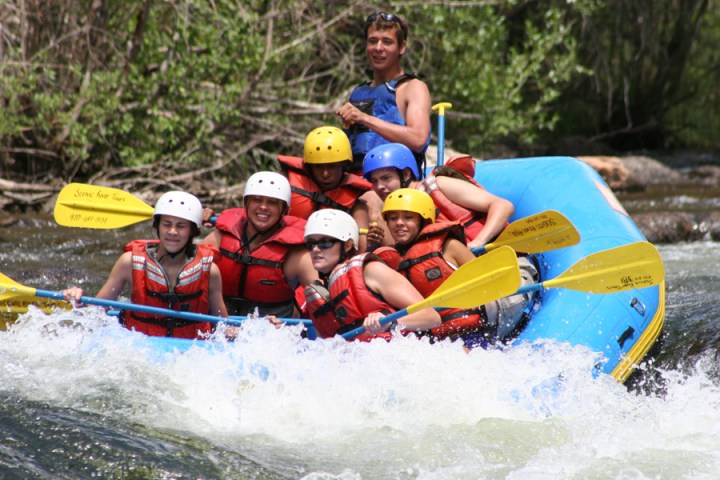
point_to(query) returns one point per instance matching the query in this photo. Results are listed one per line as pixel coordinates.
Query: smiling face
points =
(383, 50)
(263, 212)
(385, 181)
(174, 233)
(404, 226)
(326, 175)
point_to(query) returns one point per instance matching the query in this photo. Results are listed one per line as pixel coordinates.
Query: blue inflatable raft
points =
(621, 326)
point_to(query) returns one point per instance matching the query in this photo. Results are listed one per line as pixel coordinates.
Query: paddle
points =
(479, 281)
(10, 309)
(104, 208)
(440, 108)
(91, 206)
(20, 303)
(241, 318)
(541, 232)
(635, 265)
(9, 289)
(16, 307)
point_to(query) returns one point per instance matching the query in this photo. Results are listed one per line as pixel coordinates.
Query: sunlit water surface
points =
(81, 397)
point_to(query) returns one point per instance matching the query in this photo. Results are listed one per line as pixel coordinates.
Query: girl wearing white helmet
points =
(359, 289)
(262, 259)
(171, 272)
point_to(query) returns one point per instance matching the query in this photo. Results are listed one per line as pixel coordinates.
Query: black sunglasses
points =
(322, 243)
(388, 17)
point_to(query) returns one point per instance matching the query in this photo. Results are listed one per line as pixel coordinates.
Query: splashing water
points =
(83, 397)
(404, 409)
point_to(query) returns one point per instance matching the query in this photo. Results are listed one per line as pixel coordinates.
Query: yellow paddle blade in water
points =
(635, 265)
(10, 309)
(20, 304)
(485, 279)
(91, 206)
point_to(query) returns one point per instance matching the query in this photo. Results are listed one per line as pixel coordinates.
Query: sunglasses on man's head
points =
(322, 243)
(388, 17)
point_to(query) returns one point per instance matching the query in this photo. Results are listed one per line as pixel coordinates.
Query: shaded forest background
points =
(196, 95)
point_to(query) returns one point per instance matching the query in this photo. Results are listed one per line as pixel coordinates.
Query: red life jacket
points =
(150, 287)
(464, 169)
(256, 279)
(350, 300)
(426, 269)
(307, 196)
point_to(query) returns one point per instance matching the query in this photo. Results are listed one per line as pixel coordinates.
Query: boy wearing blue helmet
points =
(452, 187)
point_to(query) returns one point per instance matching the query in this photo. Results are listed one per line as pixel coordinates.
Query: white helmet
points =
(268, 184)
(181, 205)
(332, 223)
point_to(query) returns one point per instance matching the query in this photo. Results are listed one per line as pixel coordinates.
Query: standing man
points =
(395, 106)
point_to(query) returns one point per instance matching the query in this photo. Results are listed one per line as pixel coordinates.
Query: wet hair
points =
(350, 253)
(387, 21)
(401, 173)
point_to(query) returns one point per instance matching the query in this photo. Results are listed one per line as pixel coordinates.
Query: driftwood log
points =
(19, 196)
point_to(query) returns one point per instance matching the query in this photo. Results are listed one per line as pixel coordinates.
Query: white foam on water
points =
(404, 409)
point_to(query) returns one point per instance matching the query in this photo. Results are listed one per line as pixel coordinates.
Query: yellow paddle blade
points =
(487, 278)
(542, 232)
(636, 265)
(91, 206)
(9, 288)
(20, 304)
(11, 309)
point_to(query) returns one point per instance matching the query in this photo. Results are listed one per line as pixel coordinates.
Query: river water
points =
(80, 397)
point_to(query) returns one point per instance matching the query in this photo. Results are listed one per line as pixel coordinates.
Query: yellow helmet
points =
(410, 200)
(327, 145)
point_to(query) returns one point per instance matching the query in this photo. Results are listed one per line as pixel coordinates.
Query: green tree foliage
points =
(150, 92)
(639, 54)
(694, 119)
(500, 66)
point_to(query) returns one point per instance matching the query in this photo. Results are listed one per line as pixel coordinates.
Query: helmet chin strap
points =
(170, 254)
(173, 255)
(247, 241)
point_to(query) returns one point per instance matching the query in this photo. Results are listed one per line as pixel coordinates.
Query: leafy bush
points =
(163, 92)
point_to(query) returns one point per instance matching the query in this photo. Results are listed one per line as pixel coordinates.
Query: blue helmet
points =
(389, 155)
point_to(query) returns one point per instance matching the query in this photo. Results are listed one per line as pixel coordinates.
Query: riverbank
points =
(676, 199)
